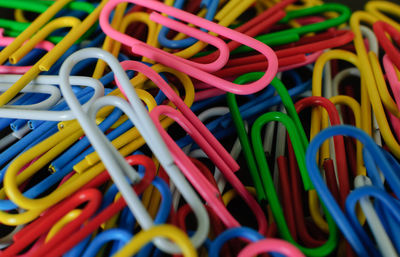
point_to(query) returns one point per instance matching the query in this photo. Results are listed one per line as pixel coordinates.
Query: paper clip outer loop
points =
(177, 63)
(332, 241)
(375, 8)
(63, 22)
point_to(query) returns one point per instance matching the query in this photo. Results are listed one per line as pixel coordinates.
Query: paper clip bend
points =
(180, 64)
(376, 8)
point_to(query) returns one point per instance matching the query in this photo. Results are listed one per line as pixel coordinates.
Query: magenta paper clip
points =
(193, 69)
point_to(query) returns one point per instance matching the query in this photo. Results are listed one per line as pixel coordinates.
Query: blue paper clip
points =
(119, 235)
(375, 154)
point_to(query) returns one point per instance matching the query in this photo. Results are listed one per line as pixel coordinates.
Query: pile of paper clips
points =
(199, 128)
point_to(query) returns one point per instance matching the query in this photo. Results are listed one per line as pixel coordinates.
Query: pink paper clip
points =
(193, 69)
(194, 175)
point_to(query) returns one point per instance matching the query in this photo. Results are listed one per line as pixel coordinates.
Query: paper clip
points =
(189, 115)
(276, 208)
(161, 217)
(117, 235)
(259, 163)
(151, 30)
(291, 56)
(112, 159)
(221, 127)
(192, 69)
(341, 160)
(235, 151)
(373, 46)
(386, 97)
